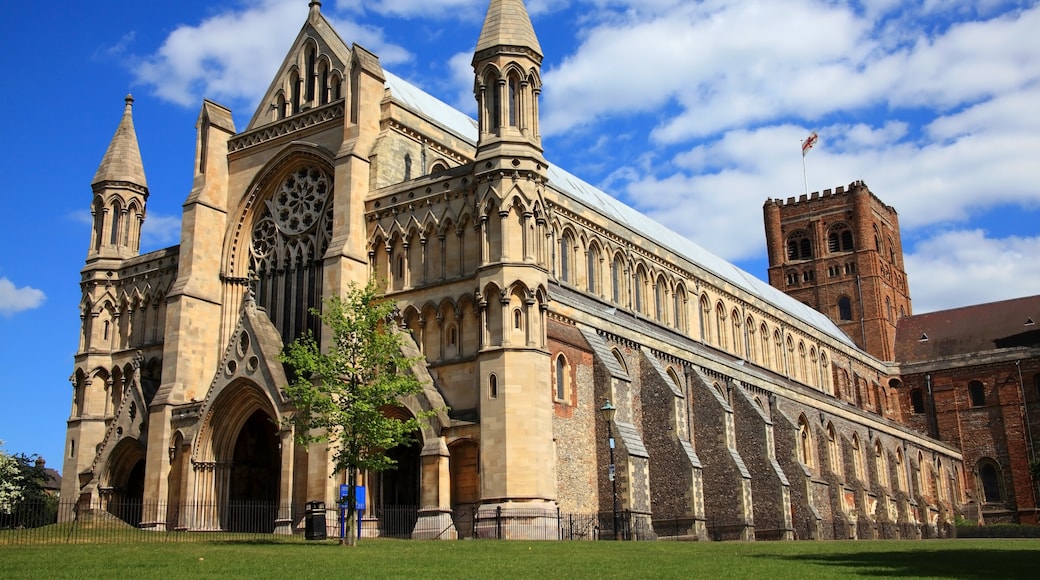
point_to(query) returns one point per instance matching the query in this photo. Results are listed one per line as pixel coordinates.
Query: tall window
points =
(659, 303)
(916, 401)
(857, 457)
(805, 453)
(565, 258)
(977, 394)
(616, 269)
(833, 453)
(561, 378)
(593, 269)
(989, 476)
(844, 308)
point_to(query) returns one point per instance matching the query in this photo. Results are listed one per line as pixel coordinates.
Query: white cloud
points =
(159, 231)
(233, 56)
(14, 299)
(959, 268)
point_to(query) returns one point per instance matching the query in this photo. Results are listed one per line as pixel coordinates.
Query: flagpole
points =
(805, 176)
(808, 144)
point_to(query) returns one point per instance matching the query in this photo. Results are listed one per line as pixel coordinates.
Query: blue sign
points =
(359, 495)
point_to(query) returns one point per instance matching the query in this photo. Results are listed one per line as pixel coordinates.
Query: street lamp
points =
(608, 411)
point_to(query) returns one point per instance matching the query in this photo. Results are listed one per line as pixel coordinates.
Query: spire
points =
(507, 24)
(122, 161)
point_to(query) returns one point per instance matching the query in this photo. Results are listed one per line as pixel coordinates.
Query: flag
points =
(809, 142)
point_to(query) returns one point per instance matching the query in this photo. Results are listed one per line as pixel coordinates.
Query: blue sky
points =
(691, 112)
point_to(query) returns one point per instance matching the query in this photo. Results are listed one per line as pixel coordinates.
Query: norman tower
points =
(840, 252)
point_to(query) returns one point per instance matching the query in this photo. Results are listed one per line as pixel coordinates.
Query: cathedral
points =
(535, 300)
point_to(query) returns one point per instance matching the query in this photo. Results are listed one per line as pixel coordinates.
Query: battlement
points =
(857, 186)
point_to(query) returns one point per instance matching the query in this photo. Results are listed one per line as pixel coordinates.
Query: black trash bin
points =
(314, 521)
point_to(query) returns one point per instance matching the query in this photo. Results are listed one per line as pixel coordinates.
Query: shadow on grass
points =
(969, 564)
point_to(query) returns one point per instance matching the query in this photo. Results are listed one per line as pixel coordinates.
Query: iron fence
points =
(51, 521)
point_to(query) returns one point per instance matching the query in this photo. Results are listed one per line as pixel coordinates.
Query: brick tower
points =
(840, 252)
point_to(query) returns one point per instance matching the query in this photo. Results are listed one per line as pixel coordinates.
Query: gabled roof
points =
(122, 161)
(967, 330)
(639, 225)
(321, 31)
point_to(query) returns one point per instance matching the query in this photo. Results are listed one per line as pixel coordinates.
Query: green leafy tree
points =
(341, 392)
(24, 502)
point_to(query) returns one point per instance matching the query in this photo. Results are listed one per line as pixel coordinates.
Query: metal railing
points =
(51, 521)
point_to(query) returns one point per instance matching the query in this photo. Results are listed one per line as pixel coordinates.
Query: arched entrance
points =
(125, 489)
(395, 492)
(254, 477)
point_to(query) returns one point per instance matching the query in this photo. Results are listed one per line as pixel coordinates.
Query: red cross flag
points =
(809, 142)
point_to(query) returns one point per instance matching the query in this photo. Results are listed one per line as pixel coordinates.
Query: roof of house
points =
(638, 224)
(971, 329)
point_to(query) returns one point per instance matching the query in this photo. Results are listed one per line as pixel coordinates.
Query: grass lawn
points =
(296, 560)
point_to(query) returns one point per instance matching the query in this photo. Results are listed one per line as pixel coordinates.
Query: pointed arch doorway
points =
(254, 476)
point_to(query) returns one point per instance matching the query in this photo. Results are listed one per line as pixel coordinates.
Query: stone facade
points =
(532, 299)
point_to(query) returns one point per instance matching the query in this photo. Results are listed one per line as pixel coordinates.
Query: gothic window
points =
(640, 304)
(799, 247)
(290, 235)
(116, 216)
(857, 457)
(833, 453)
(977, 394)
(877, 239)
(616, 270)
(792, 278)
(593, 269)
(720, 326)
(561, 378)
(294, 89)
(311, 63)
(514, 101)
(323, 83)
(880, 465)
(679, 306)
(989, 476)
(565, 258)
(495, 104)
(916, 401)
(805, 453)
(493, 387)
(844, 308)
(808, 275)
(407, 167)
(901, 478)
(764, 337)
(620, 360)
(518, 320)
(749, 339)
(659, 299)
(850, 268)
(840, 239)
(702, 319)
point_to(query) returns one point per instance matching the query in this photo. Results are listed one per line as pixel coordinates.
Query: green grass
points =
(294, 559)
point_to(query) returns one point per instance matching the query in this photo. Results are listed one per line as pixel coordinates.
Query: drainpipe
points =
(862, 314)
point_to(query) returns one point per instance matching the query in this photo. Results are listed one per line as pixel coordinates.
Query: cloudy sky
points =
(690, 111)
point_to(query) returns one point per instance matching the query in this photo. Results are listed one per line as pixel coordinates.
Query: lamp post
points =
(608, 411)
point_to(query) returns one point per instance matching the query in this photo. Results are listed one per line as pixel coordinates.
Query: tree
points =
(341, 393)
(24, 502)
